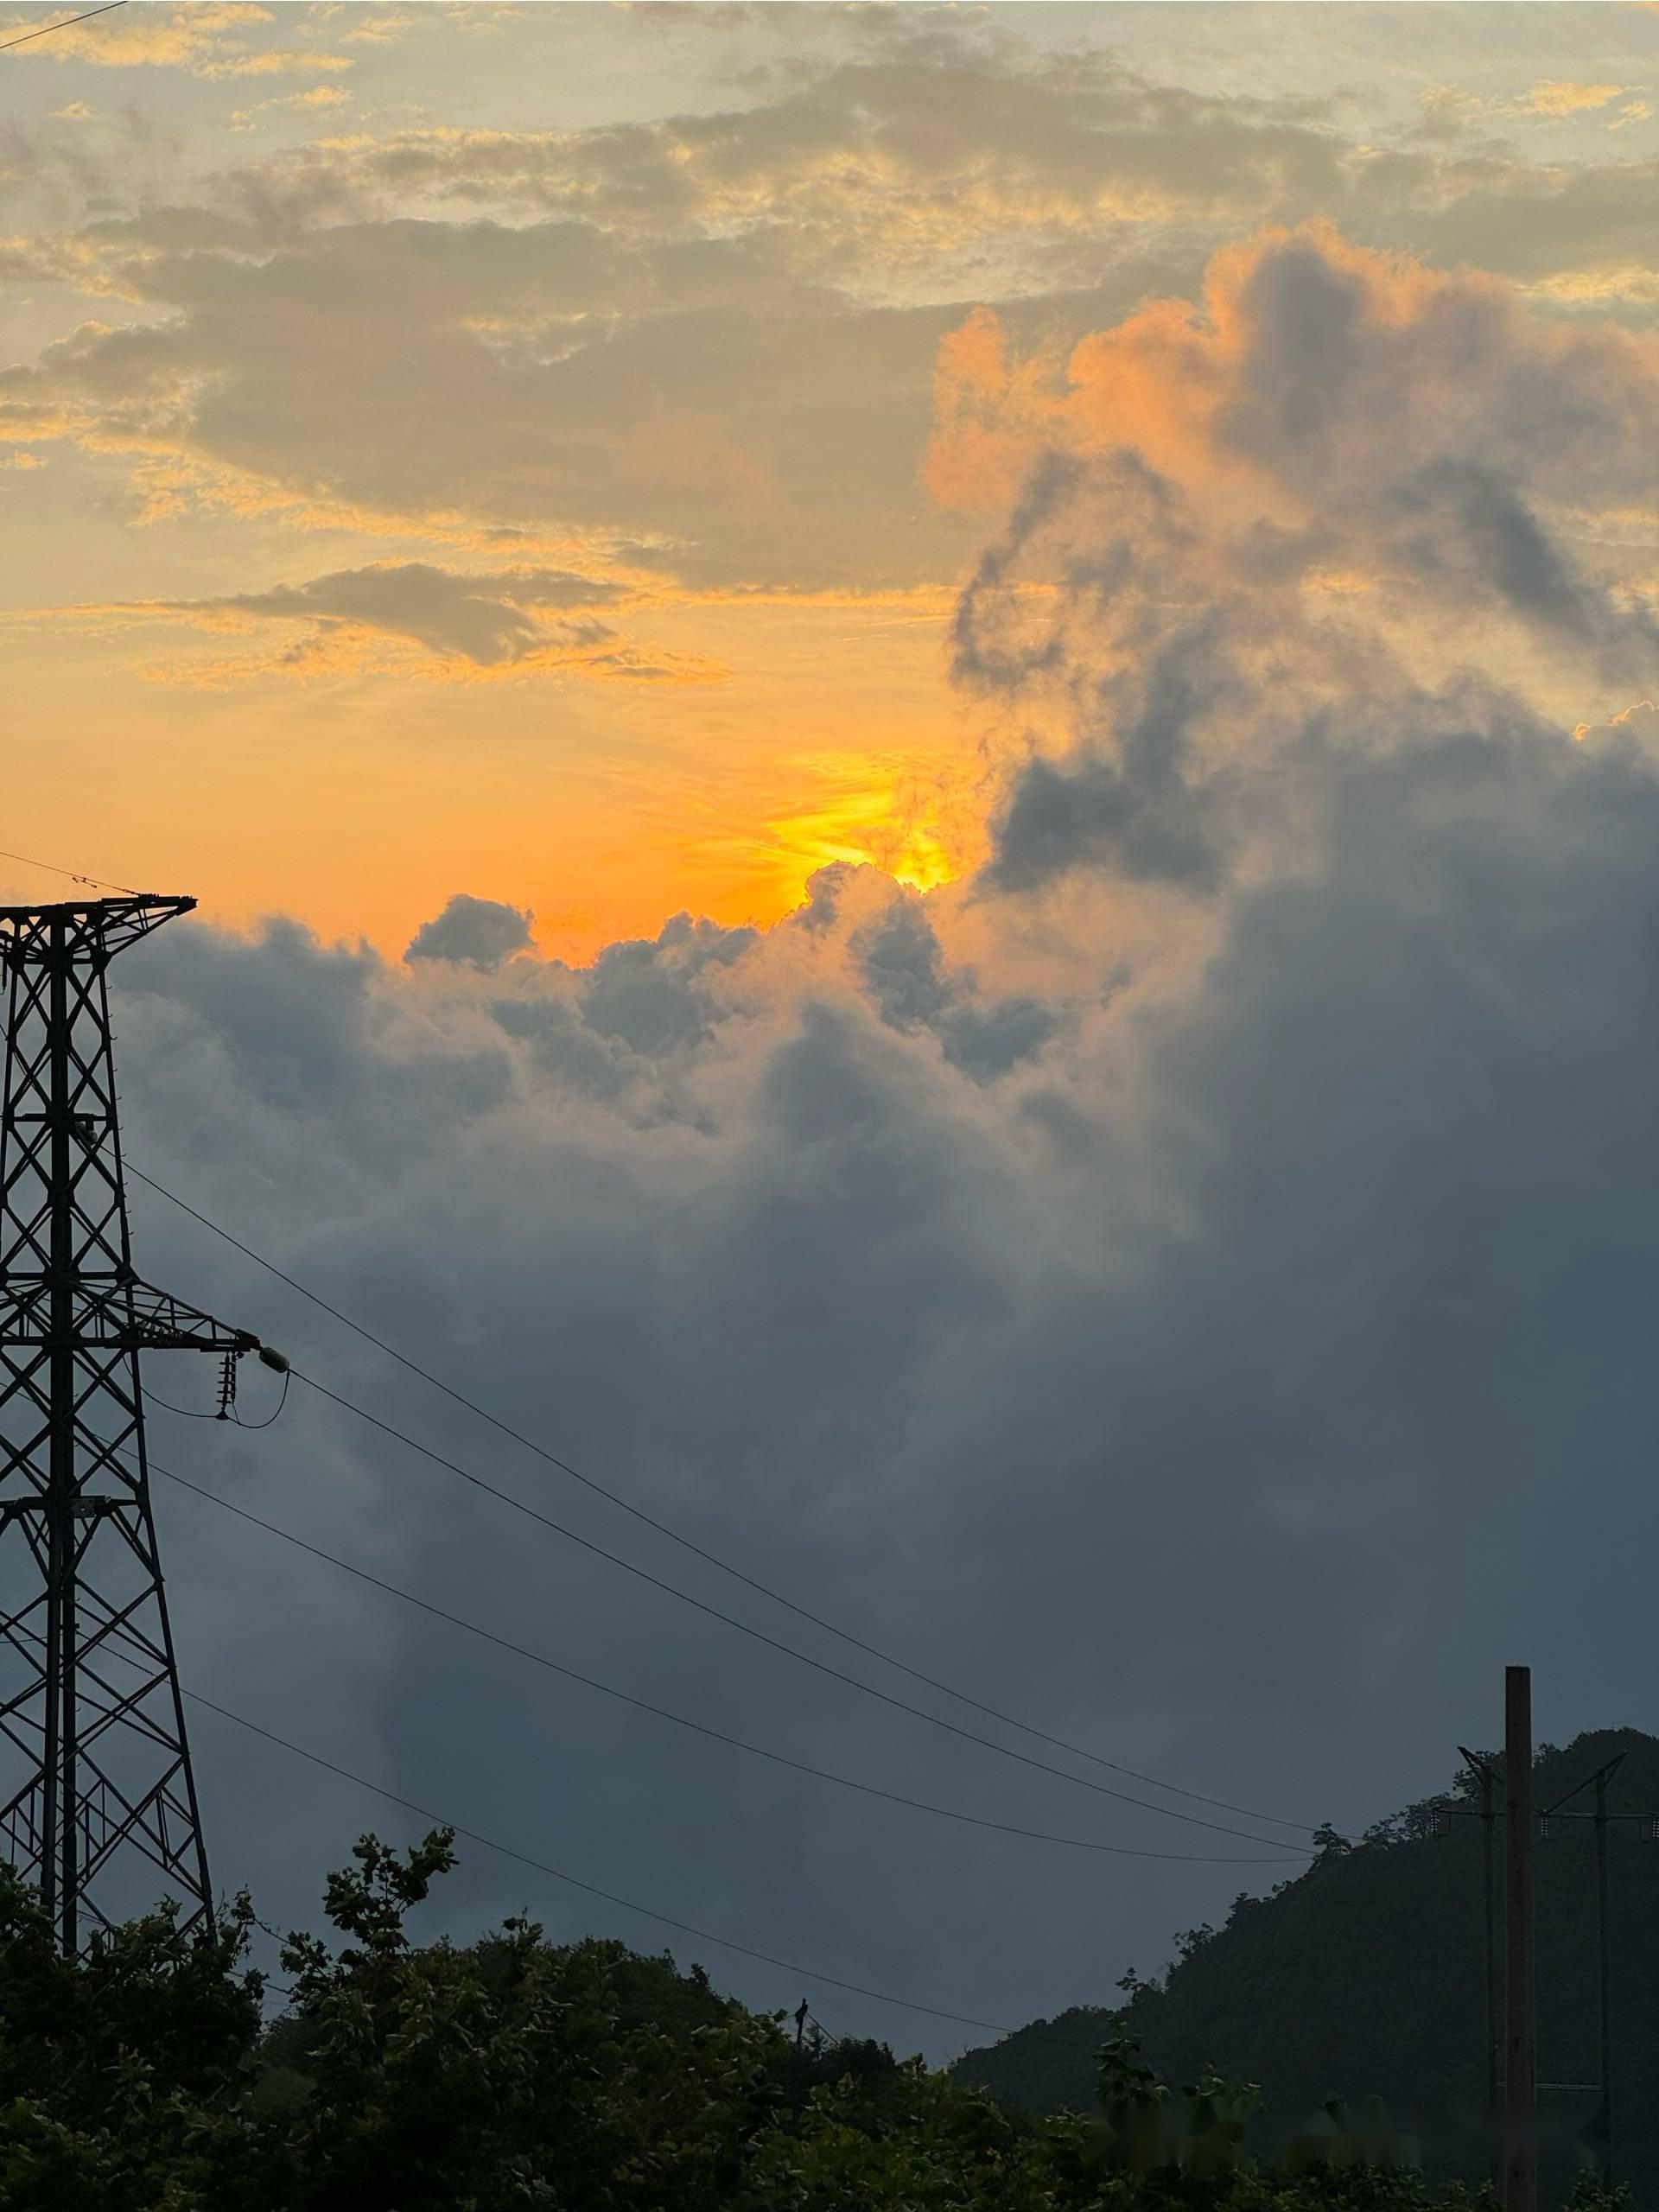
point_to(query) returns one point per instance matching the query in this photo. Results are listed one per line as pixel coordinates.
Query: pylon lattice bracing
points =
(97, 1801)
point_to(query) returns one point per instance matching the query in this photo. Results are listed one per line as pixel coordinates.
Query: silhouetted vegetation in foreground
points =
(1367, 1974)
(143, 2077)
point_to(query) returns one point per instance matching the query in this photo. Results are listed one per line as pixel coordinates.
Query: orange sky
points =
(601, 807)
(487, 449)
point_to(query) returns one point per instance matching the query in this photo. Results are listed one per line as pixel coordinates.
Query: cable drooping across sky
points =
(772, 1642)
(44, 31)
(93, 882)
(712, 1558)
(558, 1874)
(698, 1727)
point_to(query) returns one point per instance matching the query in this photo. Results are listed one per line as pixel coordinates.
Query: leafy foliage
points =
(582, 2078)
(1367, 1974)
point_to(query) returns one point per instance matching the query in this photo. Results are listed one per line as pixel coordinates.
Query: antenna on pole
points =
(97, 1796)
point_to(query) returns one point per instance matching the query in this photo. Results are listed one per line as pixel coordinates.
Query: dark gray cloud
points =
(912, 985)
(1234, 1385)
(1227, 1350)
(652, 995)
(463, 623)
(487, 619)
(482, 933)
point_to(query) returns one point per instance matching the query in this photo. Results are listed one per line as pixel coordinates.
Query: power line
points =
(713, 1559)
(180, 1412)
(680, 1720)
(185, 1412)
(108, 7)
(731, 1620)
(274, 1414)
(93, 882)
(609, 1896)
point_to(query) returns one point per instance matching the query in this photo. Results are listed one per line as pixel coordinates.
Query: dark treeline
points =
(145, 2077)
(1366, 1975)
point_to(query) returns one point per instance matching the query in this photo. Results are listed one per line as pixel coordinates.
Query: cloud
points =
(547, 378)
(413, 617)
(711, 334)
(317, 98)
(852, 154)
(485, 619)
(1638, 727)
(1161, 1284)
(275, 61)
(1305, 1285)
(161, 37)
(1158, 1285)
(652, 995)
(1404, 468)
(1052, 173)
(481, 932)
(901, 964)
(377, 26)
(1559, 97)
(202, 36)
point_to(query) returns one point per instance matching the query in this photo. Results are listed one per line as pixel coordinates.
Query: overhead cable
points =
(700, 1551)
(93, 882)
(773, 1643)
(45, 30)
(698, 1727)
(609, 1896)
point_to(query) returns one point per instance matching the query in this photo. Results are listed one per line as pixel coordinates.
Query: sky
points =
(919, 749)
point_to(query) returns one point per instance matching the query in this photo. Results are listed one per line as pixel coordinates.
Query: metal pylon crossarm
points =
(97, 1801)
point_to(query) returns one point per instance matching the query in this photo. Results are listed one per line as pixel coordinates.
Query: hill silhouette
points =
(1366, 1975)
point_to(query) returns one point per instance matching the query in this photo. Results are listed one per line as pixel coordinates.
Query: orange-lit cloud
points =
(696, 355)
(1301, 343)
(1333, 459)
(1636, 725)
(207, 37)
(318, 98)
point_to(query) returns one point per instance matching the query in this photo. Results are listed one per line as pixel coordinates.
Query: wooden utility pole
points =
(1520, 2079)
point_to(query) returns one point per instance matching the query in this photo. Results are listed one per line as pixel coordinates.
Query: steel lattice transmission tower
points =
(97, 1804)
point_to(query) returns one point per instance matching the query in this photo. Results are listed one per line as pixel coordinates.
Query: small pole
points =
(1601, 1817)
(1520, 2079)
(800, 2023)
(1604, 1967)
